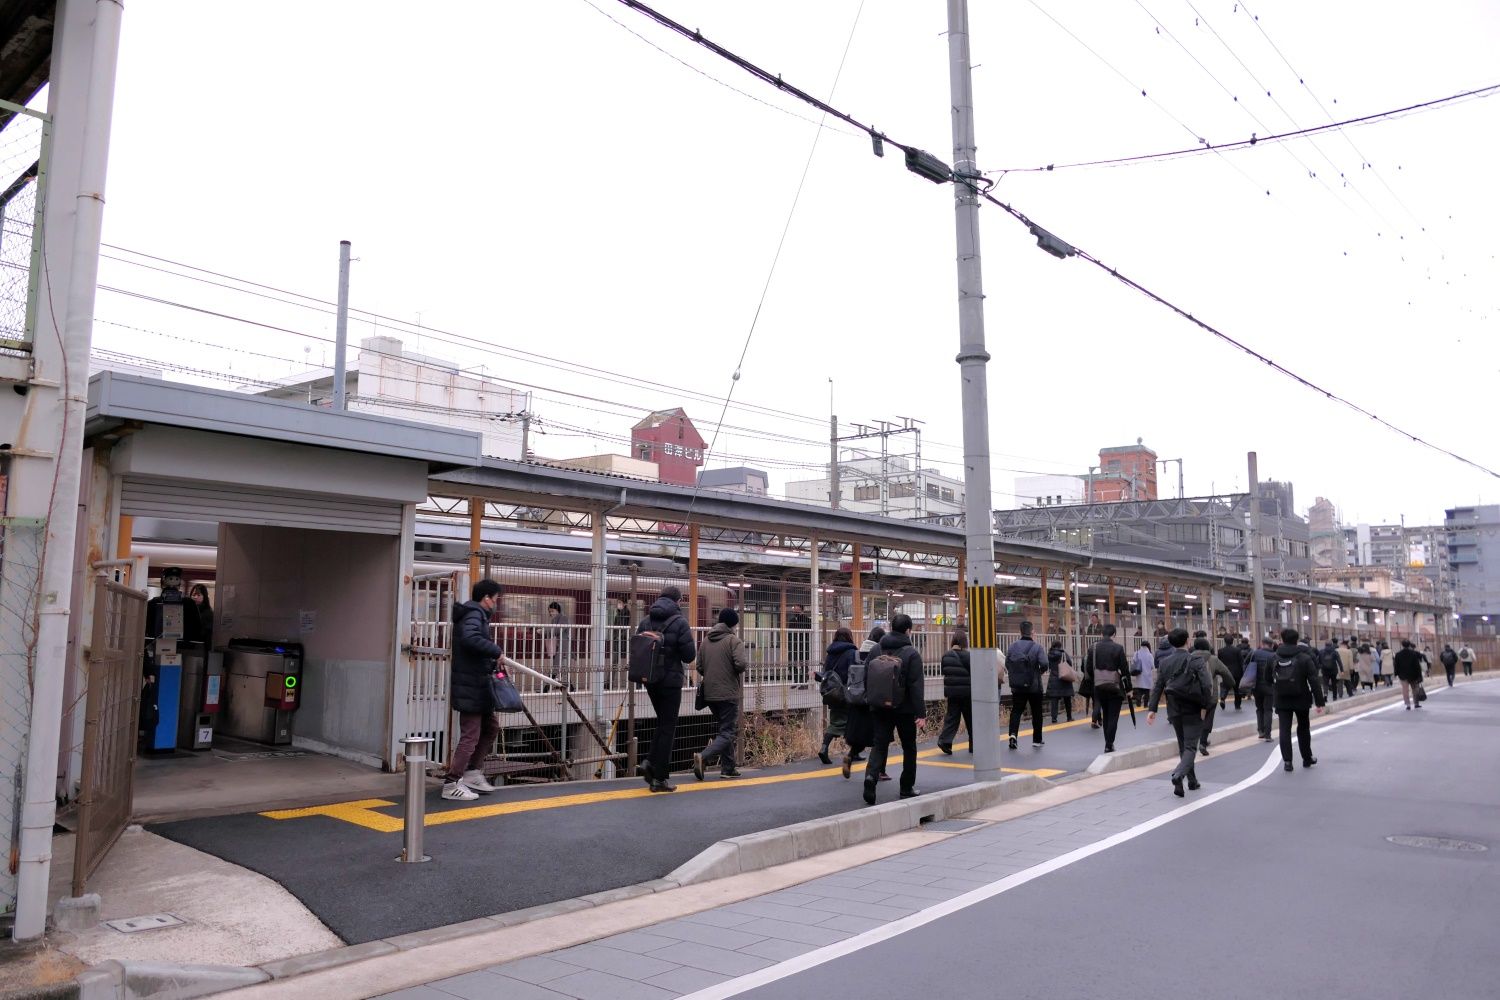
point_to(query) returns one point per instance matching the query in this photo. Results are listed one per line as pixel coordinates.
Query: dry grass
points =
(771, 738)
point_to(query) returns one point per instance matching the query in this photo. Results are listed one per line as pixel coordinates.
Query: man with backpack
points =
(1297, 688)
(1449, 659)
(1231, 657)
(1107, 669)
(1466, 657)
(1328, 666)
(661, 645)
(895, 694)
(1025, 662)
(1188, 690)
(1219, 680)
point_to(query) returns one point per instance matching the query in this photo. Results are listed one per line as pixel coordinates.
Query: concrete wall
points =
(336, 593)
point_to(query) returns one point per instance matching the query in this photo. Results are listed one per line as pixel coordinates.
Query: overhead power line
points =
(1121, 161)
(1053, 244)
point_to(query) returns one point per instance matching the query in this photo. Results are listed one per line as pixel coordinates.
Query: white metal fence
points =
(24, 138)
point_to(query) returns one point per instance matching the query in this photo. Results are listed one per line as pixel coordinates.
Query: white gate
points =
(430, 653)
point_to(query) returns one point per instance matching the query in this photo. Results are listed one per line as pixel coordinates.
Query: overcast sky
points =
(536, 177)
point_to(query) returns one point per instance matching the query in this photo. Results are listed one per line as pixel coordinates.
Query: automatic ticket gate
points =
(262, 690)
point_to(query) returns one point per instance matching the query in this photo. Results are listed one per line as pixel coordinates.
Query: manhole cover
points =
(1437, 843)
(150, 922)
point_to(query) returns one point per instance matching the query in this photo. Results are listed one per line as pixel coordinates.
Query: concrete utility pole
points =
(833, 462)
(1257, 572)
(45, 476)
(979, 545)
(341, 329)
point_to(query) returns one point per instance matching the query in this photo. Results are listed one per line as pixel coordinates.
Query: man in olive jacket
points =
(470, 667)
(678, 648)
(722, 663)
(901, 718)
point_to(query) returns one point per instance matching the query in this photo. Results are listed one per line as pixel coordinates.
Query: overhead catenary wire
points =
(1034, 228)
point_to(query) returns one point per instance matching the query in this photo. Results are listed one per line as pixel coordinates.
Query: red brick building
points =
(1124, 473)
(668, 438)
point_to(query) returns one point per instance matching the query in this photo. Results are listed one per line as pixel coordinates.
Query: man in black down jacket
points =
(1295, 698)
(1106, 654)
(473, 661)
(956, 691)
(666, 697)
(1232, 658)
(901, 718)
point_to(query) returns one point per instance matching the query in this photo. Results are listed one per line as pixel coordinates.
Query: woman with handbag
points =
(836, 662)
(1060, 678)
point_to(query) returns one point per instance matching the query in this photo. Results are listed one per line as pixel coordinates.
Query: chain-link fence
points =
(24, 138)
(20, 589)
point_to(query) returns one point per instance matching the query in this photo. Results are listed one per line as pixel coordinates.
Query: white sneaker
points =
(457, 791)
(477, 782)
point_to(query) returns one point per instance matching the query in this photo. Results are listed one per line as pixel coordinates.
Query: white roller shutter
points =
(251, 505)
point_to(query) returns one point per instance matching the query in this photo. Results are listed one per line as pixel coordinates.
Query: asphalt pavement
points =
(532, 844)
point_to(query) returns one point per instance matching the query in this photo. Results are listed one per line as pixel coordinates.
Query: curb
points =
(1155, 753)
(113, 980)
(768, 848)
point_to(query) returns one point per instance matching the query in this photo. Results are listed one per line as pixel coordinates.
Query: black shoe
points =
(947, 749)
(644, 769)
(869, 792)
(1286, 766)
(848, 762)
(663, 786)
(1193, 785)
(1012, 742)
(1094, 725)
(1037, 743)
(698, 766)
(730, 774)
(1177, 788)
(911, 794)
(883, 777)
(1309, 762)
(823, 756)
(1109, 749)
(1203, 750)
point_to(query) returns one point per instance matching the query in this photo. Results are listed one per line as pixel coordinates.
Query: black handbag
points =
(699, 701)
(503, 694)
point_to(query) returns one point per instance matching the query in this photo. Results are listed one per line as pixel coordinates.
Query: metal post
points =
(833, 462)
(692, 615)
(814, 606)
(599, 627)
(476, 537)
(972, 358)
(630, 742)
(414, 752)
(1257, 572)
(856, 580)
(341, 329)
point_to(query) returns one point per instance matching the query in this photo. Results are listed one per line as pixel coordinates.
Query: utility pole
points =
(979, 547)
(1257, 572)
(341, 330)
(833, 462)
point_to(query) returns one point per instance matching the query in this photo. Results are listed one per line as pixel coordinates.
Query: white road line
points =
(820, 956)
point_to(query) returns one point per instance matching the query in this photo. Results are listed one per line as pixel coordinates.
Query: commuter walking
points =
(473, 661)
(1230, 655)
(676, 648)
(1141, 670)
(1218, 677)
(1264, 688)
(1297, 689)
(837, 660)
(1188, 692)
(722, 663)
(1107, 670)
(1449, 659)
(1408, 667)
(859, 730)
(1349, 667)
(1364, 658)
(1025, 662)
(198, 594)
(1059, 690)
(957, 693)
(1466, 658)
(798, 641)
(900, 719)
(1329, 666)
(1426, 655)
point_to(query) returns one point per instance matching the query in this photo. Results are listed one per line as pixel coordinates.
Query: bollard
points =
(415, 754)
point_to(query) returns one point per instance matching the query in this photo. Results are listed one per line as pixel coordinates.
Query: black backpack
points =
(1288, 684)
(1330, 662)
(883, 687)
(1189, 684)
(854, 691)
(648, 657)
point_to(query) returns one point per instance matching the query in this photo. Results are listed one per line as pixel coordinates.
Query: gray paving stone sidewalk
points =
(677, 957)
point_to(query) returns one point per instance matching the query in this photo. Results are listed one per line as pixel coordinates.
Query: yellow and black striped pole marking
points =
(982, 617)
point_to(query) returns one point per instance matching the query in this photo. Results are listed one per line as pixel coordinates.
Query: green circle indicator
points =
(291, 682)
